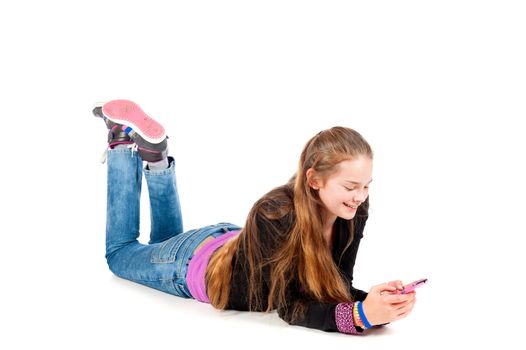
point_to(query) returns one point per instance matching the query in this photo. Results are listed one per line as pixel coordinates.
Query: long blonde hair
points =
(303, 255)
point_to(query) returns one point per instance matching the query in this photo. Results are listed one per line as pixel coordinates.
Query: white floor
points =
(436, 88)
(83, 306)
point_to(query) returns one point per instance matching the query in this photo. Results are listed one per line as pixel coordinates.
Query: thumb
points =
(384, 287)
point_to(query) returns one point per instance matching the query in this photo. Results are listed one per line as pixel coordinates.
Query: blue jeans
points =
(163, 262)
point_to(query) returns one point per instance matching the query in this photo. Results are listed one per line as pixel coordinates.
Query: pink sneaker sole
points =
(130, 114)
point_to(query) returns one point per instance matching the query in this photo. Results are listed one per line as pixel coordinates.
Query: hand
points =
(384, 305)
(397, 284)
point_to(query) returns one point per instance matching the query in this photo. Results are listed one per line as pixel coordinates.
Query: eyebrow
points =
(357, 183)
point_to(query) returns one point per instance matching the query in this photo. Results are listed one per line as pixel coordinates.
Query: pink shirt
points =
(195, 276)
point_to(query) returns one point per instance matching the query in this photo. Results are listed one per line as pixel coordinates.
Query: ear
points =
(312, 180)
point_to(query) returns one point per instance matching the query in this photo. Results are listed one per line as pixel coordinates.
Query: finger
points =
(407, 308)
(397, 298)
(389, 292)
(400, 307)
(410, 297)
(402, 314)
(398, 284)
(384, 288)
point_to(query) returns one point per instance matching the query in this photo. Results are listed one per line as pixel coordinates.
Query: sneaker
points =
(116, 136)
(128, 124)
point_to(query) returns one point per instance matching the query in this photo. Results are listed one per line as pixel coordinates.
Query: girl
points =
(295, 253)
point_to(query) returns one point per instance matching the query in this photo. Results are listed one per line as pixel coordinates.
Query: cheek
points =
(334, 198)
(327, 198)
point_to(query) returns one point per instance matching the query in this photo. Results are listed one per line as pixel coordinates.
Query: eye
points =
(352, 189)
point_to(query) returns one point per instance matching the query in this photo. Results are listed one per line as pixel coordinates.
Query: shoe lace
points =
(104, 155)
(133, 147)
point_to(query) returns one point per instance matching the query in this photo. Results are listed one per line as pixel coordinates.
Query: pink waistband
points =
(195, 276)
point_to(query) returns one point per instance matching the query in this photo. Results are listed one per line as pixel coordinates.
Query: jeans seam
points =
(119, 150)
(160, 251)
(178, 268)
(167, 171)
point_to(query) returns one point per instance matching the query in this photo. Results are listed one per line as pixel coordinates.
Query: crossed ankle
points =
(160, 165)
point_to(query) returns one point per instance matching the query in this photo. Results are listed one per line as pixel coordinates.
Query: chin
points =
(347, 216)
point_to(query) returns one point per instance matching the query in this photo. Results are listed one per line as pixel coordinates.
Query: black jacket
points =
(318, 315)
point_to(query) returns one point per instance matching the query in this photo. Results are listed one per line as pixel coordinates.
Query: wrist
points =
(362, 316)
(356, 315)
(345, 320)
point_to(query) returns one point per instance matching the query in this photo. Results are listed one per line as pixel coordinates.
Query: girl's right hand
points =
(384, 305)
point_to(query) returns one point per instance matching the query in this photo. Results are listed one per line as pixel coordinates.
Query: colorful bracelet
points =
(362, 316)
(357, 320)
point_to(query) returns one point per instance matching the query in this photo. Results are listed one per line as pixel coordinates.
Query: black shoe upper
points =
(115, 133)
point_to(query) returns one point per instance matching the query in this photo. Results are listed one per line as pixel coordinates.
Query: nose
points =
(361, 196)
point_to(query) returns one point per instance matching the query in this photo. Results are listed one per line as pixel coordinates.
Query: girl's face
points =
(347, 188)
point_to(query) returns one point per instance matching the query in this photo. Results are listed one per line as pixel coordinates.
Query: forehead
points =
(358, 170)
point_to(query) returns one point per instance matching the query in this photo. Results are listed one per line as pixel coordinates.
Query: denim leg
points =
(123, 194)
(165, 208)
(126, 256)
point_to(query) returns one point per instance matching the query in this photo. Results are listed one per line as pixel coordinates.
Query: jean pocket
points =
(166, 252)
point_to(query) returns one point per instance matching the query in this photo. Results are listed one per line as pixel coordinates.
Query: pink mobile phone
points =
(412, 286)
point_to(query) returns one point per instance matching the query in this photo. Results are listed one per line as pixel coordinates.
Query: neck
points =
(328, 226)
(328, 222)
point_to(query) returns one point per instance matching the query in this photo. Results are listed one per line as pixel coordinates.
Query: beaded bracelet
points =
(362, 316)
(357, 320)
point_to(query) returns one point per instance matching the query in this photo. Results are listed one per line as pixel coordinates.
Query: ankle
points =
(160, 165)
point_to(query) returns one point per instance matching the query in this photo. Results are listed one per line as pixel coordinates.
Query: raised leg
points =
(165, 208)
(123, 195)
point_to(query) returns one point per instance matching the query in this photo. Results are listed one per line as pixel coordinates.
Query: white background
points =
(437, 88)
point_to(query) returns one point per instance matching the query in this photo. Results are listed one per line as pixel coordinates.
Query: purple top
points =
(195, 276)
